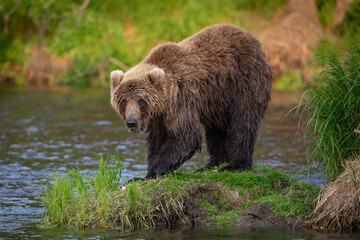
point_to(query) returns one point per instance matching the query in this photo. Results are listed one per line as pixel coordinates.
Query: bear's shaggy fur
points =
(219, 78)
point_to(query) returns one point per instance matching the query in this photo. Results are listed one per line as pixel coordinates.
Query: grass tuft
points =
(77, 198)
(326, 12)
(332, 105)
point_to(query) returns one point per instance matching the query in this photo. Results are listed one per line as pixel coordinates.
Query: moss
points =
(289, 81)
(227, 217)
(209, 208)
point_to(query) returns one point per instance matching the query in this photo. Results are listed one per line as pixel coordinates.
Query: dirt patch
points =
(289, 43)
(190, 208)
(260, 215)
(339, 206)
(7, 80)
(42, 68)
(256, 216)
(341, 7)
(213, 193)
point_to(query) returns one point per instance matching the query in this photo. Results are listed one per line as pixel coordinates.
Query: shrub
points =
(332, 104)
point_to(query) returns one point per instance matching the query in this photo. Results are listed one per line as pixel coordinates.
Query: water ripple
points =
(45, 133)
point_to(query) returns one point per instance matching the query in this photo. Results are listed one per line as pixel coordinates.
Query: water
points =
(46, 132)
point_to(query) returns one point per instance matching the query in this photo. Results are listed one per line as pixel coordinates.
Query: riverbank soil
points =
(260, 215)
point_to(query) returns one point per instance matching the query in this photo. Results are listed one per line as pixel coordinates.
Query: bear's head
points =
(138, 95)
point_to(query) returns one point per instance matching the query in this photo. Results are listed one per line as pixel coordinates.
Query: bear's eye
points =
(123, 103)
(141, 103)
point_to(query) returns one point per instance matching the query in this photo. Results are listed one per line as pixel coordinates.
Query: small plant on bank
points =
(332, 106)
(77, 197)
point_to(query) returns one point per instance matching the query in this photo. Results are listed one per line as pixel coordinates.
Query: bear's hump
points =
(165, 54)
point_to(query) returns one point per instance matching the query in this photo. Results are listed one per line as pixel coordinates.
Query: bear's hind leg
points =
(217, 147)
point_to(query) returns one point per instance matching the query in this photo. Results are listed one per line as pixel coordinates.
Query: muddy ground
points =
(257, 215)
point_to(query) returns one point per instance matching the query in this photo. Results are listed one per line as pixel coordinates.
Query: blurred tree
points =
(43, 13)
(8, 8)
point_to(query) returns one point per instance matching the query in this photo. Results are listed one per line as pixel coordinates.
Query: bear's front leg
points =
(171, 153)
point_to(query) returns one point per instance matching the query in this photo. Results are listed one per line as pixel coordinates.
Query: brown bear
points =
(219, 78)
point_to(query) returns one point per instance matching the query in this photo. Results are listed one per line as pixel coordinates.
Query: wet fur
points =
(220, 78)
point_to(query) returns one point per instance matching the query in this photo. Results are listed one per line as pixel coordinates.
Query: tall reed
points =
(332, 107)
(76, 198)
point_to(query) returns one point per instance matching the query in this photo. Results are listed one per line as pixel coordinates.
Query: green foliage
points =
(136, 208)
(268, 8)
(209, 208)
(112, 34)
(332, 104)
(326, 12)
(296, 199)
(350, 28)
(231, 180)
(228, 217)
(116, 34)
(289, 81)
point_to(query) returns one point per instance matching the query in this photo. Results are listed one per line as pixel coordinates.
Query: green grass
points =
(332, 107)
(97, 201)
(295, 199)
(84, 201)
(119, 34)
(77, 198)
(268, 8)
(227, 218)
(127, 30)
(289, 81)
(209, 208)
(326, 12)
(350, 29)
(291, 198)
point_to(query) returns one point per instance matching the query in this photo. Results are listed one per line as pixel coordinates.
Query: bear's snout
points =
(132, 116)
(131, 123)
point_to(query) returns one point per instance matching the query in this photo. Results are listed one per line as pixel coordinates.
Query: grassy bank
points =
(79, 42)
(180, 198)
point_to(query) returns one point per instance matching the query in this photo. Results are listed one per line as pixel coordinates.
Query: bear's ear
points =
(155, 76)
(116, 77)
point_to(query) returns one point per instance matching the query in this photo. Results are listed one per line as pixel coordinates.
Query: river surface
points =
(47, 132)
